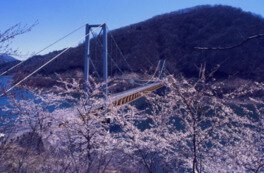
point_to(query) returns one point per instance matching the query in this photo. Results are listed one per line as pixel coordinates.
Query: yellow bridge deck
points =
(133, 94)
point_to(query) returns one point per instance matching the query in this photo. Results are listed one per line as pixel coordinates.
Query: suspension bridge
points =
(117, 99)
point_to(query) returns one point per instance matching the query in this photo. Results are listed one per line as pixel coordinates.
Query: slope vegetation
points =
(173, 36)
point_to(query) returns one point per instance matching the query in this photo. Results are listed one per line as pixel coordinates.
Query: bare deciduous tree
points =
(8, 35)
(187, 128)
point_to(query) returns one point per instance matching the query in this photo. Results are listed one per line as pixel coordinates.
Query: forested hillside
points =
(208, 117)
(174, 36)
(4, 58)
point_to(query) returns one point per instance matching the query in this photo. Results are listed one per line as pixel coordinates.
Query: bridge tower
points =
(87, 56)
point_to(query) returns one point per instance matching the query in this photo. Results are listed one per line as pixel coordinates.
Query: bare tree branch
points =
(232, 46)
(7, 36)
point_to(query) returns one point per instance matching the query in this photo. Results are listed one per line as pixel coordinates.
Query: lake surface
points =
(17, 93)
(5, 82)
(6, 117)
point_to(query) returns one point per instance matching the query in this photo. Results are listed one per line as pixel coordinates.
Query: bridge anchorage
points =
(124, 97)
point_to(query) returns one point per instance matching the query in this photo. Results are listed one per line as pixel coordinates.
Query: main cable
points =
(107, 53)
(152, 77)
(21, 62)
(35, 71)
(119, 50)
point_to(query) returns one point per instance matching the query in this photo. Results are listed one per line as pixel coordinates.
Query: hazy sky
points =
(58, 17)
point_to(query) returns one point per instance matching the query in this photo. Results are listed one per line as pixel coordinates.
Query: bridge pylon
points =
(87, 56)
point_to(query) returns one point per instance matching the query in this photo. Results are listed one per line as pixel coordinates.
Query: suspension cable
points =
(35, 71)
(162, 68)
(91, 60)
(21, 62)
(95, 68)
(122, 55)
(108, 55)
(157, 67)
(153, 76)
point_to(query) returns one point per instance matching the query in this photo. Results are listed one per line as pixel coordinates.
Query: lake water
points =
(17, 93)
(4, 83)
(8, 118)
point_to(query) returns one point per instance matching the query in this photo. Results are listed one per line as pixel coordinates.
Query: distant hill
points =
(173, 36)
(6, 62)
(4, 58)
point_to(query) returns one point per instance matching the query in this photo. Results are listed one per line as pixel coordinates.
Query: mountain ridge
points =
(4, 58)
(174, 36)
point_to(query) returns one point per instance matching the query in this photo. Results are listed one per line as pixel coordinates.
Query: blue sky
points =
(58, 17)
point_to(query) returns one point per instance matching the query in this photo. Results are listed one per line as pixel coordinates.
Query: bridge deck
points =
(133, 94)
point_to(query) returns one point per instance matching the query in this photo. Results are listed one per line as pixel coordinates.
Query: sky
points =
(58, 17)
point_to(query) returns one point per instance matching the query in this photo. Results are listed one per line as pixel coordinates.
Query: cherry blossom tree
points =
(185, 127)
